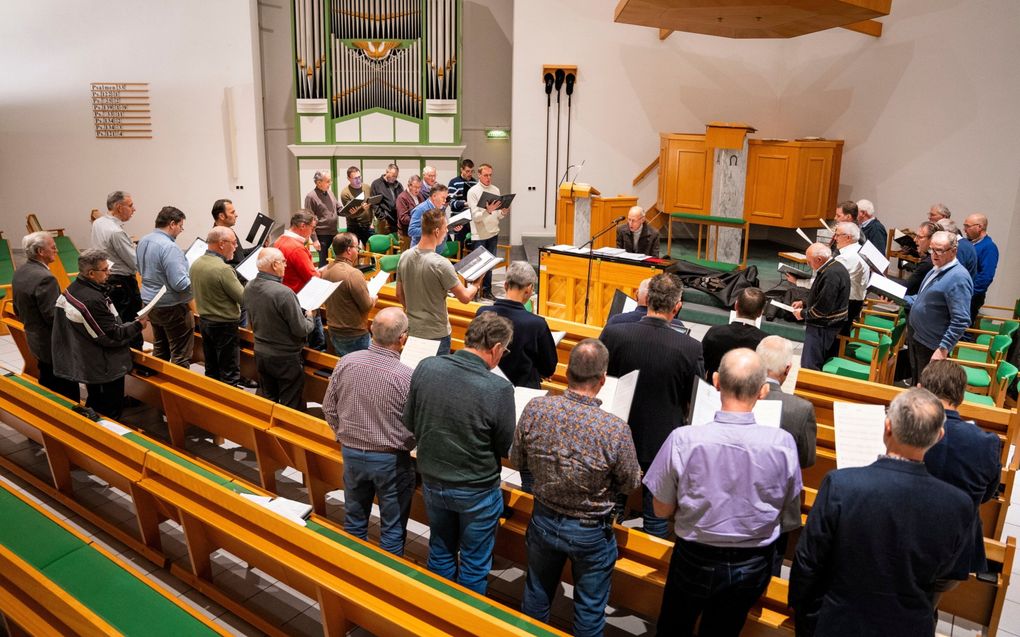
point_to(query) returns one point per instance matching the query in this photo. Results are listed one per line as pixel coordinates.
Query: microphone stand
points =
(591, 249)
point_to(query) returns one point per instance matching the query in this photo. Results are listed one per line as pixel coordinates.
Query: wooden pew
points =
(56, 581)
(354, 582)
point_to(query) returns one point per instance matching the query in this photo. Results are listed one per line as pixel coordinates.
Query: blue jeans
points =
(652, 524)
(491, 244)
(317, 338)
(348, 345)
(464, 520)
(390, 476)
(590, 546)
(718, 584)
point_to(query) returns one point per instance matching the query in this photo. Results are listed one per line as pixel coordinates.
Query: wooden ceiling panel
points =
(749, 18)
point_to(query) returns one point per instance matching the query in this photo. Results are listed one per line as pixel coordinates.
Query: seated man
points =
(728, 482)
(94, 346)
(572, 517)
(742, 332)
(534, 354)
(638, 236)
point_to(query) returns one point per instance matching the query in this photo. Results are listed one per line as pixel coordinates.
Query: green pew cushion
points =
(22, 530)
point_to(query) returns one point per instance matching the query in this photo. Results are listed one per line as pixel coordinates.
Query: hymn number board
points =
(121, 110)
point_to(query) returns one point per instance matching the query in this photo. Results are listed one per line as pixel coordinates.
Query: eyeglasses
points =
(106, 269)
(940, 250)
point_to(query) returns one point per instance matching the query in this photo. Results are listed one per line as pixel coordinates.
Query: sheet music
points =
(523, 396)
(558, 336)
(886, 287)
(632, 256)
(618, 394)
(874, 257)
(499, 372)
(295, 511)
(804, 236)
(418, 349)
(826, 226)
(249, 268)
(459, 219)
(377, 282)
(197, 249)
(629, 305)
(707, 401)
(859, 431)
(610, 251)
(474, 265)
(783, 306)
(315, 293)
(733, 319)
(115, 427)
(148, 308)
(768, 412)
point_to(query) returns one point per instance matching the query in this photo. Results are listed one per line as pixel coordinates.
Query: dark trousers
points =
(67, 388)
(976, 302)
(317, 337)
(920, 356)
(325, 243)
(106, 398)
(817, 342)
(126, 299)
(222, 351)
(360, 231)
(489, 244)
(282, 379)
(173, 333)
(719, 585)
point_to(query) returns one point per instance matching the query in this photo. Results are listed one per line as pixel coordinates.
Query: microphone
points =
(570, 79)
(559, 79)
(548, 79)
(619, 219)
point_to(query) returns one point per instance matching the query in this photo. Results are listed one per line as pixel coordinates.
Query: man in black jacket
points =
(637, 235)
(388, 185)
(826, 307)
(35, 292)
(742, 332)
(94, 345)
(533, 356)
(669, 363)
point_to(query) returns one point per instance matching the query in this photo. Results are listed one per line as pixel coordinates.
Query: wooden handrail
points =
(644, 173)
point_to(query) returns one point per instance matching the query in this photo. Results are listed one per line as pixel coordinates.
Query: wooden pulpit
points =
(581, 212)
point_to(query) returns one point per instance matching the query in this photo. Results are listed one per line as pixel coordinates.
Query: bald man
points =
(976, 228)
(218, 296)
(825, 310)
(638, 236)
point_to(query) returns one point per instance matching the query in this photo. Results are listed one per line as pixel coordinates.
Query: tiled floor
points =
(288, 608)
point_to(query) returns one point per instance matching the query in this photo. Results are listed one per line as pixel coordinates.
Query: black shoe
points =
(247, 383)
(88, 412)
(486, 295)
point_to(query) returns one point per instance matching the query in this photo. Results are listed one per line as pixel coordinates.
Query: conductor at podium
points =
(638, 236)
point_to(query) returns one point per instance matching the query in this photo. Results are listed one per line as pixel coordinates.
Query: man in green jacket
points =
(218, 302)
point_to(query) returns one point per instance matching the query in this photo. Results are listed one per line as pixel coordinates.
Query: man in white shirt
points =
(485, 221)
(109, 235)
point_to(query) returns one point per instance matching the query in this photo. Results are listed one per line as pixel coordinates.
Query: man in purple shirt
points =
(364, 405)
(728, 483)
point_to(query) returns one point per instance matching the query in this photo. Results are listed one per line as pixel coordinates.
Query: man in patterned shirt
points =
(364, 405)
(581, 458)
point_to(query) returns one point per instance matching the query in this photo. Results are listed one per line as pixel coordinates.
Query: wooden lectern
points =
(573, 198)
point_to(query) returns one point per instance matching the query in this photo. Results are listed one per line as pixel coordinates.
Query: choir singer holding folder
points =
(485, 221)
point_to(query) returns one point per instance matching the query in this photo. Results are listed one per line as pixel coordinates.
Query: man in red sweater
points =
(293, 243)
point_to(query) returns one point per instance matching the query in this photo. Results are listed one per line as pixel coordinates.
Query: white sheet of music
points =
(707, 401)
(886, 287)
(418, 349)
(804, 236)
(197, 249)
(249, 268)
(629, 305)
(148, 308)
(858, 433)
(558, 336)
(783, 306)
(874, 257)
(618, 394)
(315, 292)
(523, 396)
(377, 282)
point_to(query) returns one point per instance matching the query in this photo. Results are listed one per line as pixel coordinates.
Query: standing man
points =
(35, 292)
(163, 264)
(94, 346)
(976, 228)
(225, 216)
(293, 243)
(938, 212)
(347, 308)
(848, 249)
(109, 235)
(572, 517)
(940, 311)
(825, 310)
(437, 200)
(406, 202)
(922, 238)
(485, 221)
(359, 219)
(797, 418)
(965, 252)
(871, 227)
(364, 405)
(846, 212)
(728, 482)
(669, 363)
(388, 185)
(534, 354)
(280, 328)
(218, 295)
(423, 279)
(459, 187)
(879, 537)
(638, 236)
(742, 332)
(462, 416)
(428, 179)
(321, 202)
(967, 457)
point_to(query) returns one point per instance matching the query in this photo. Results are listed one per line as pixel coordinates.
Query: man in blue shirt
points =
(976, 229)
(437, 199)
(163, 264)
(940, 311)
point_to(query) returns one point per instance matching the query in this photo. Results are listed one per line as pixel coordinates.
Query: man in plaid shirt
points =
(364, 405)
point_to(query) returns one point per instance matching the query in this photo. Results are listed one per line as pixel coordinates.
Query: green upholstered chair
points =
(1005, 374)
(450, 250)
(874, 370)
(380, 244)
(983, 361)
(389, 262)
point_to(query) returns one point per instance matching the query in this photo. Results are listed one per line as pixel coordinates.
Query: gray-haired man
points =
(109, 235)
(321, 202)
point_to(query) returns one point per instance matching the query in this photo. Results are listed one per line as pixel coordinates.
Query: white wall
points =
(928, 111)
(190, 51)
